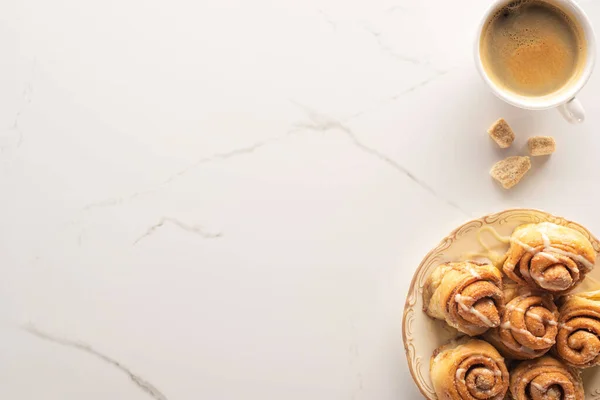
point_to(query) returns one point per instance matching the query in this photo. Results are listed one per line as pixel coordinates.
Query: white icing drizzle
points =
(482, 317)
(459, 297)
(523, 349)
(459, 372)
(565, 326)
(536, 317)
(512, 307)
(527, 247)
(548, 247)
(459, 300)
(507, 325)
(584, 261)
(547, 284)
(542, 253)
(521, 331)
(537, 386)
(545, 252)
(548, 256)
(498, 372)
(474, 273)
(546, 240)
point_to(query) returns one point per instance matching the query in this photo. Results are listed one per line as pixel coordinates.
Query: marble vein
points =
(140, 382)
(115, 201)
(220, 156)
(421, 84)
(104, 203)
(328, 19)
(27, 96)
(388, 50)
(15, 126)
(195, 229)
(323, 123)
(410, 89)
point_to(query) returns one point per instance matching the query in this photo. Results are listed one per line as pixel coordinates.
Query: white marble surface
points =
(226, 199)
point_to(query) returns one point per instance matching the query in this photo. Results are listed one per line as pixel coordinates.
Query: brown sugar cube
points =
(502, 133)
(541, 145)
(510, 170)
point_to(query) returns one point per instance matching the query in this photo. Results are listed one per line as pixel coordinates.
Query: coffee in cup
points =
(533, 48)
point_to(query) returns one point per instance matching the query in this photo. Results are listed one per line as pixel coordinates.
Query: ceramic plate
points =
(422, 335)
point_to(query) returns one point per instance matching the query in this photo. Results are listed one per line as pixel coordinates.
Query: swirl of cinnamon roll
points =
(545, 379)
(578, 339)
(469, 369)
(467, 295)
(549, 257)
(529, 325)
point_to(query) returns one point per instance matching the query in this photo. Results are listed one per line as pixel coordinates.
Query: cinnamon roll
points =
(529, 324)
(549, 257)
(545, 379)
(468, 369)
(467, 295)
(578, 339)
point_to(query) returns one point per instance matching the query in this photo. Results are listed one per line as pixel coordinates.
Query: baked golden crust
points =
(529, 325)
(578, 339)
(468, 369)
(545, 378)
(467, 295)
(549, 257)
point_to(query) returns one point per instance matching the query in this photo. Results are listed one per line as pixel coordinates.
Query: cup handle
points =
(572, 111)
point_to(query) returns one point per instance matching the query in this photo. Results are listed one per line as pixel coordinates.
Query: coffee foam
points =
(532, 47)
(518, 5)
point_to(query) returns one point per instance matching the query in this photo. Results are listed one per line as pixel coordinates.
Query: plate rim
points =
(408, 308)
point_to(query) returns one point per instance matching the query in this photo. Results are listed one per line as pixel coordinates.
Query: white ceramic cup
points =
(564, 100)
